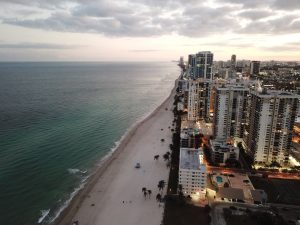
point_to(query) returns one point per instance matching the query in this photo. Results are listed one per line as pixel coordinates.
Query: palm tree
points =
(144, 189)
(162, 140)
(156, 157)
(158, 197)
(166, 156)
(149, 193)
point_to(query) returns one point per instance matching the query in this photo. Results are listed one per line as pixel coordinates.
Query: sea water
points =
(57, 120)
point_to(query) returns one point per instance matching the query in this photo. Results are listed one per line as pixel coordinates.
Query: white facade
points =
(192, 172)
(180, 106)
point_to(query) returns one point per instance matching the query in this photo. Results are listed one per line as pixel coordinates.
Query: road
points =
(277, 175)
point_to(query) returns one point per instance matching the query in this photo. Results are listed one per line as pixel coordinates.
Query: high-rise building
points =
(230, 111)
(233, 61)
(269, 127)
(198, 100)
(232, 69)
(192, 172)
(254, 67)
(181, 62)
(201, 65)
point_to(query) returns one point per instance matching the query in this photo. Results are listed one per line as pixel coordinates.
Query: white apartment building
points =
(230, 107)
(271, 119)
(192, 172)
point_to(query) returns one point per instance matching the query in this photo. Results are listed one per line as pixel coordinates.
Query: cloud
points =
(36, 46)
(292, 46)
(248, 3)
(282, 25)
(287, 4)
(144, 50)
(146, 18)
(255, 14)
(225, 43)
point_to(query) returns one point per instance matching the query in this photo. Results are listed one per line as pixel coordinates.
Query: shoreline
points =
(66, 216)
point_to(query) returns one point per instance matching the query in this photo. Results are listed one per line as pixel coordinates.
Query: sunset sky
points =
(148, 30)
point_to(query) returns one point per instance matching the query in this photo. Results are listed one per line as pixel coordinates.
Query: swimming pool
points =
(219, 179)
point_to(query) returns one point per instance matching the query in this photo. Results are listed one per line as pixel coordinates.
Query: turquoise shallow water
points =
(58, 119)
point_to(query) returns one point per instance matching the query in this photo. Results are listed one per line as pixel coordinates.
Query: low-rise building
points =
(221, 151)
(192, 172)
(189, 135)
(230, 195)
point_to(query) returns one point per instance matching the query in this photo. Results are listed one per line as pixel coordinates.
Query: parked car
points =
(137, 165)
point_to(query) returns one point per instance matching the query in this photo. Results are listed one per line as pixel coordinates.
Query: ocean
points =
(58, 120)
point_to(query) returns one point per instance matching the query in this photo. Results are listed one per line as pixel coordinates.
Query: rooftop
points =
(235, 87)
(191, 159)
(222, 146)
(230, 193)
(276, 93)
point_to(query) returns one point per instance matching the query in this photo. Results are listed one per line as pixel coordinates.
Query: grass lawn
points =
(179, 214)
(279, 190)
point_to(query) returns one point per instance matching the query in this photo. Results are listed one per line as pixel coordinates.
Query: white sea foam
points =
(67, 202)
(44, 213)
(73, 171)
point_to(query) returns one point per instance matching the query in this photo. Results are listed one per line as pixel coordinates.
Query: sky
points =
(148, 30)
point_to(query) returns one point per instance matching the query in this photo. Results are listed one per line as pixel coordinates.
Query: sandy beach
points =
(113, 195)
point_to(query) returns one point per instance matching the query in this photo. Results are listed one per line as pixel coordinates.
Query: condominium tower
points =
(200, 65)
(268, 133)
(198, 99)
(230, 111)
(254, 67)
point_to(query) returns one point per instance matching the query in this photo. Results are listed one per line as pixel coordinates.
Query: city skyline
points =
(84, 30)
